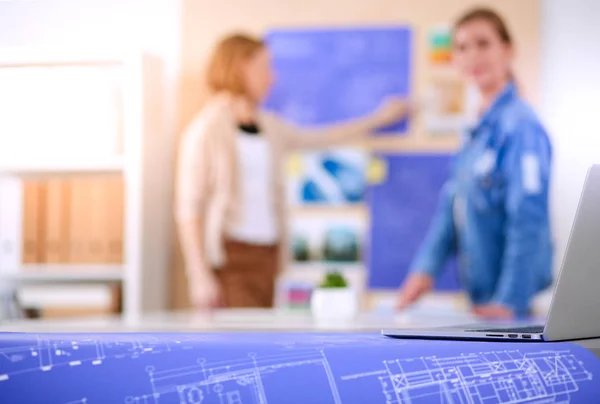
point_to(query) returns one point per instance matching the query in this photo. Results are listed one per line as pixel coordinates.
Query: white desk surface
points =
(253, 320)
(235, 320)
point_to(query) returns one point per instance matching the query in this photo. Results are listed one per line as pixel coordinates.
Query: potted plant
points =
(334, 299)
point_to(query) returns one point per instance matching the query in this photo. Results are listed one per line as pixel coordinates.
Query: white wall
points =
(570, 85)
(154, 25)
(94, 23)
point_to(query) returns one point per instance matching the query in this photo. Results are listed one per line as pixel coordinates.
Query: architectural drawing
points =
(44, 353)
(237, 382)
(490, 377)
(255, 368)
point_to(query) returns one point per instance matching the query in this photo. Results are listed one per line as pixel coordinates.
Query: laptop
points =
(575, 307)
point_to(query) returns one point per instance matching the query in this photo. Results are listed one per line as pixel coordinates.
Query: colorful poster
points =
(334, 241)
(449, 105)
(332, 177)
(325, 76)
(440, 45)
(402, 201)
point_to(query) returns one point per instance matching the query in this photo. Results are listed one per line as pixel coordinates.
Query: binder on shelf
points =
(96, 220)
(57, 201)
(115, 205)
(33, 218)
(78, 219)
(97, 245)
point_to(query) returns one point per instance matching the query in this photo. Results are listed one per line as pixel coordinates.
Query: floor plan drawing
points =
(272, 368)
(490, 377)
(45, 354)
(253, 381)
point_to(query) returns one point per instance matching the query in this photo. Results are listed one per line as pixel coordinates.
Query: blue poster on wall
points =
(402, 204)
(328, 75)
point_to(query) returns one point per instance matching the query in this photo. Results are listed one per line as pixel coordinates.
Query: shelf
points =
(333, 211)
(78, 296)
(48, 56)
(63, 166)
(325, 265)
(66, 273)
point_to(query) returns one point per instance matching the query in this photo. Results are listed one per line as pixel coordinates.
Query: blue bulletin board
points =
(328, 75)
(402, 202)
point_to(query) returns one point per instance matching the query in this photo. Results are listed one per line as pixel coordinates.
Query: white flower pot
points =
(334, 304)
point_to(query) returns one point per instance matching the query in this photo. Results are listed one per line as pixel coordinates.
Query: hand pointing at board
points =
(392, 110)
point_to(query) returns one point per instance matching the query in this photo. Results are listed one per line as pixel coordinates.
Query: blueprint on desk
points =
(328, 75)
(253, 368)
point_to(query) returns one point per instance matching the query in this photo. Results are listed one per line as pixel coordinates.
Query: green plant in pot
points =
(334, 299)
(334, 279)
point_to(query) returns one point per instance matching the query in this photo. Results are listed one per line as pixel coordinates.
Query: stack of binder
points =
(71, 225)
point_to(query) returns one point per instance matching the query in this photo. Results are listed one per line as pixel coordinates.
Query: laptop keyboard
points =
(535, 329)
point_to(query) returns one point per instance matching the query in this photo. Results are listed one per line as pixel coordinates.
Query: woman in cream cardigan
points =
(229, 206)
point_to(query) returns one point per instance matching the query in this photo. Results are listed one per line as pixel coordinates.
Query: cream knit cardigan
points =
(206, 183)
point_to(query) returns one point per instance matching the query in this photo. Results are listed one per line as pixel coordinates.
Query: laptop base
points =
(462, 334)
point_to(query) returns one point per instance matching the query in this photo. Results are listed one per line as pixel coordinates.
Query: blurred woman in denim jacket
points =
(493, 211)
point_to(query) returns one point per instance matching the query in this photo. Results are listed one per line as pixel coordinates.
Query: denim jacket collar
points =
(508, 94)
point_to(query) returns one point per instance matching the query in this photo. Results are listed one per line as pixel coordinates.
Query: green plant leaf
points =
(334, 279)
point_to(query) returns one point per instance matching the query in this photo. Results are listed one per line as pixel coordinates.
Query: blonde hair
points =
(225, 67)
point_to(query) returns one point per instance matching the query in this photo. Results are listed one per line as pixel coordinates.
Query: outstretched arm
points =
(347, 132)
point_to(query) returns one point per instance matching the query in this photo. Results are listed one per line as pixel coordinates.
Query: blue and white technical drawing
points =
(329, 75)
(268, 368)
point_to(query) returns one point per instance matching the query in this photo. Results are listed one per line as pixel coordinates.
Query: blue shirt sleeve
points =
(440, 241)
(527, 172)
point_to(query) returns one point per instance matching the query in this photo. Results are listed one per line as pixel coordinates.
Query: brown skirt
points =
(248, 277)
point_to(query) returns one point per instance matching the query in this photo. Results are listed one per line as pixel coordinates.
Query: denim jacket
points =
(493, 210)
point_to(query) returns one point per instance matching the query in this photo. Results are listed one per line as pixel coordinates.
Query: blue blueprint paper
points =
(289, 368)
(328, 75)
(401, 208)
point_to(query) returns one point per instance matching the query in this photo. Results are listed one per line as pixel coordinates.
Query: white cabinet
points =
(65, 113)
